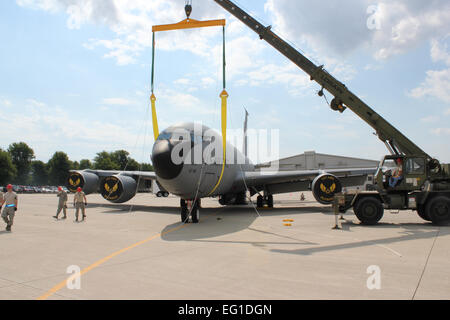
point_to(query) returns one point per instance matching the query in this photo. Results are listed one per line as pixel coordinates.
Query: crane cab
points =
(401, 173)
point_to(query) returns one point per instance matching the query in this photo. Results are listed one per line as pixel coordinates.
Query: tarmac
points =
(141, 250)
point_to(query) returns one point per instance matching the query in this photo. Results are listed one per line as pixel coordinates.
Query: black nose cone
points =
(162, 160)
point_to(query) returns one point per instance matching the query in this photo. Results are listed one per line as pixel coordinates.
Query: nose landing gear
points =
(192, 207)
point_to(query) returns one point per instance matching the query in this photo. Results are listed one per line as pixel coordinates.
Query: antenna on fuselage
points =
(245, 145)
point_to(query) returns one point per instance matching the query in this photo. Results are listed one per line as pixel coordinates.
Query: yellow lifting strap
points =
(224, 97)
(154, 117)
(191, 24)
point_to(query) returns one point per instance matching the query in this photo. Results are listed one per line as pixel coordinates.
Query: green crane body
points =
(425, 183)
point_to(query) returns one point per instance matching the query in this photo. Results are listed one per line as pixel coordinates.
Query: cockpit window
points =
(164, 136)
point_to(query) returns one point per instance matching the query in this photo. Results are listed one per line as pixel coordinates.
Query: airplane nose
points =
(162, 160)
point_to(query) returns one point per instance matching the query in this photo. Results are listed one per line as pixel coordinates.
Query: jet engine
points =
(87, 181)
(118, 188)
(324, 187)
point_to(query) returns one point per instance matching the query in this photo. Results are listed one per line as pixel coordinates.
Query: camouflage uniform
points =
(79, 204)
(62, 195)
(9, 211)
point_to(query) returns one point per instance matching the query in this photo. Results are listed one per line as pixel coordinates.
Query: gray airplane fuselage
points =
(190, 167)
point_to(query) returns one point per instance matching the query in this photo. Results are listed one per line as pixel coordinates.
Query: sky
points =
(75, 74)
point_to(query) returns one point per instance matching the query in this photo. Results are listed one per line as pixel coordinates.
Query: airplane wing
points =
(115, 186)
(261, 178)
(144, 175)
(323, 183)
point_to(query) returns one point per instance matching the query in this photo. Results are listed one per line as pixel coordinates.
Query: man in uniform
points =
(80, 202)
(397, 175)
(1, 198)
(62, 203)
(10, 201)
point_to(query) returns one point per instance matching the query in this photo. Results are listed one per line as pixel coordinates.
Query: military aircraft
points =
(189, 163)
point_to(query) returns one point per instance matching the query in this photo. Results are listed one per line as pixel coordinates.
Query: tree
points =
(21, 155)
(7, 168)
(39, 173)
(146, 167)
(74, 165)
(133, 165)
(120, 157)
(85, 164)
(103, 161)
(58, 168)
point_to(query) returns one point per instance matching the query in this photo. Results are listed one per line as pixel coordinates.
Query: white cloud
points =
(208, 81)
(131, 22)
(341, 26)
(182, 81)
(440, 52)
(441, 131)
(36, 122)
(117, 102)
(5, 102)
(436, 84)
(36, 103)
(430, 119)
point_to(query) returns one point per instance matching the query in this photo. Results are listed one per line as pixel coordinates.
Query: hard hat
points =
(79, 189)
(9, 187)
(59, 188)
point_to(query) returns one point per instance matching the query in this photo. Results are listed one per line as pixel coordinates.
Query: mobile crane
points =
(423, 185)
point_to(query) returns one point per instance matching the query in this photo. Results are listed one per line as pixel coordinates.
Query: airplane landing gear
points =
(192, 207)
(266, 200)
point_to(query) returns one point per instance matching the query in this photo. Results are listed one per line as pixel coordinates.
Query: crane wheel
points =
(438, 210)
(423, 213)
(369, 210)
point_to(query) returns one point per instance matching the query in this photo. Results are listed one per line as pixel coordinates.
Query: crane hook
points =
(188, 8)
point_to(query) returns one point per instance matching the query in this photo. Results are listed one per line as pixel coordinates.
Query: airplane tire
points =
(260, 202)
(369, 210)
(159, 194)
(184, 215)
(270, 201)
(423, 213)
(438, 210)
(195, 214)
(165, 194)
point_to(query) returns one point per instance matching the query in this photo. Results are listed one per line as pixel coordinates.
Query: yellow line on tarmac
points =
(63, 284)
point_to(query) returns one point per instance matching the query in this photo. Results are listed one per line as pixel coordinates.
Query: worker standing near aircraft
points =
(80, 202)
(62, 203)
(1, 198)
(10, 201)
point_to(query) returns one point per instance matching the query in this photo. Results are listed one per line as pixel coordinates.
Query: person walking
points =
(10, 201)
(80, 202)
(62, 203)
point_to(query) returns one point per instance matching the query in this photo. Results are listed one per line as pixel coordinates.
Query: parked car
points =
(17, 189)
